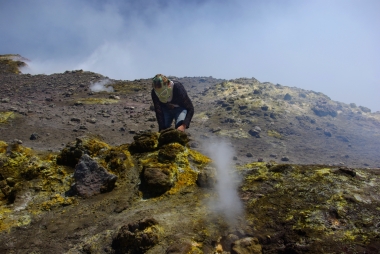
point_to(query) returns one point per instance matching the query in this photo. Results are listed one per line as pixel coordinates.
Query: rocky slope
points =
(86, 172)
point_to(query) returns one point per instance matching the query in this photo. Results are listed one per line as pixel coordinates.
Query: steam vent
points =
(87, 172)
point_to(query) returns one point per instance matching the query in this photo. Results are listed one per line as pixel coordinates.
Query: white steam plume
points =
(228, 202)
(101, 86)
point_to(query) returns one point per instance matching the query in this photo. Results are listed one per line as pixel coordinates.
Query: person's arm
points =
(158, 110)
(184, 101)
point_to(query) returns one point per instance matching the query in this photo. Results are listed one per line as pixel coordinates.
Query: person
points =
(171, 102)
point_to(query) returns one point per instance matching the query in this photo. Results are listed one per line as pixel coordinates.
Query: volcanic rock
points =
(169, 152)
(348, 171)
(156, 181)
(136, 237)
(173, 136)
(145, 142)
(324, 108)
(284, 158)
(365, 109)
(255, 132)
(327, 133)
(207, 178)
(91, 178)
(287, 97)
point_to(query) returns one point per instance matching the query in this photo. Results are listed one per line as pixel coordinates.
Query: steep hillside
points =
(274, 122)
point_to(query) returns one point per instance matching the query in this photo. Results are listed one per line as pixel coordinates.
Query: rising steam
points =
(228, 202)
(102, 85)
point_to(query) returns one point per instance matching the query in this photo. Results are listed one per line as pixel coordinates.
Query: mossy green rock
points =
(143, 143)
(173, 136)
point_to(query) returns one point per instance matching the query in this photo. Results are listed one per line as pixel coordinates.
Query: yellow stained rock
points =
(5, 116)
(97, 101)
(274, 134)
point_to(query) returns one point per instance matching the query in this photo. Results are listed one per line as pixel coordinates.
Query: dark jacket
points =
(180, 98)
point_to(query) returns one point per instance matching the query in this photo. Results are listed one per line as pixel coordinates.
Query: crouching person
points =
(171, 102)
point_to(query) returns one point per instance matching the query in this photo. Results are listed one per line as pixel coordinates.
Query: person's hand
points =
(181, 127)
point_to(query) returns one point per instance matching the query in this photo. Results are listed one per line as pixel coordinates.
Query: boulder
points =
(34, 136)
(91, 178)
(169, 152)
(257, 91)
(248, 245)
(172, 136)
(156, 181)
(365, 109)
(285, 158)
(281, 168)
(136, 237)
(71, 154)
(207, 177)
(145, 142)
(255, 132)
(348, 171)
(327, 133)
(324, 108)
(287, 97)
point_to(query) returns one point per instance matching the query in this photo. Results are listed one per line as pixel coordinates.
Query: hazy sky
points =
(328, 46)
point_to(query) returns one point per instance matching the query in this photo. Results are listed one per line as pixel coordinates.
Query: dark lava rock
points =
(75, 119)
(342, 138)
(71, 154)
(365, 109)
(228, 120)
(135, 238)
(255, 132)
(287, 97)
(281, 168)
(257, 92)
(324, 108)
(285, 158)
(172, 136)
(91, 179)
(34, 136)
(273, 115)
(348, 171)
(246, 245)
(143, 143)
(156, 181)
